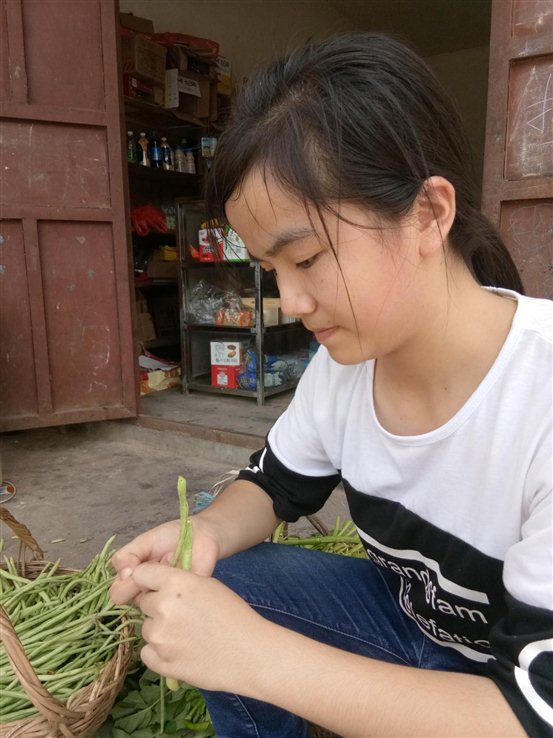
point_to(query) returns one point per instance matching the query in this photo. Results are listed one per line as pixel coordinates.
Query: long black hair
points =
(359, 118)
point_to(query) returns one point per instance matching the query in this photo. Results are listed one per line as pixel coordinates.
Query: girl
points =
(343, 170)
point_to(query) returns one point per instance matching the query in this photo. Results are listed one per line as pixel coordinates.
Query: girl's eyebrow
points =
(287, 237)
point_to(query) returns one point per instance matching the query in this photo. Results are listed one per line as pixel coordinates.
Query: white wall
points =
(465, 75)
(248, 31)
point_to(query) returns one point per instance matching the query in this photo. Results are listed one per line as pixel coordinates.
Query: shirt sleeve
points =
(293, 494)
(522, 641)
(294, 468)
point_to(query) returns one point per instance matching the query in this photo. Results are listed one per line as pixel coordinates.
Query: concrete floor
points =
(78, 485)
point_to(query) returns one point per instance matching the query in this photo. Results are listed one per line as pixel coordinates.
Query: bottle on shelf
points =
(143, 157)
(166, 155)
(154, 152)
(190, 163)
(132, 150)
(179, 159)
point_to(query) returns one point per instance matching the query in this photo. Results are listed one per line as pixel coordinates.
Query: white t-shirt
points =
(462, 514)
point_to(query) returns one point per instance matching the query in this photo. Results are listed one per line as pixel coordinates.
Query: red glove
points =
(145, 218)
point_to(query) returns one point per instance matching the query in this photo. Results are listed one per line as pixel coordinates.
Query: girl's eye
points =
(307, 263)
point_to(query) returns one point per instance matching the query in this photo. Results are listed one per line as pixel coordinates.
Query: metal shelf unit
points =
(195, 336)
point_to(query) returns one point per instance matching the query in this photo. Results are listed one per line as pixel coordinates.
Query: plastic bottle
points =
(190, 162)
(143, 157)
(166, 155)
(132, 151)
(179, 159)
(154, 151)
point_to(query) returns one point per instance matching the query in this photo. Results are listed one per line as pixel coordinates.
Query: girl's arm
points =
(199, 631)
(239, 518)
(359, 697)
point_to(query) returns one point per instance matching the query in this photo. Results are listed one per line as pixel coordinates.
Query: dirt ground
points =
(79, 485)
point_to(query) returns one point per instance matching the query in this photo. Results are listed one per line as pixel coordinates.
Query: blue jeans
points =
(348, 603)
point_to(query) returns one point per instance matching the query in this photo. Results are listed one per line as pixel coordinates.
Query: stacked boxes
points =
(227, 358)
(143, 67)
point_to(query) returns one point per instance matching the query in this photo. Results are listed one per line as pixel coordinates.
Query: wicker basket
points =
(86, 710)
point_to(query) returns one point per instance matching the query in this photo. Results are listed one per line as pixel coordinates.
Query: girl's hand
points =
(199, 631)
(158, 545)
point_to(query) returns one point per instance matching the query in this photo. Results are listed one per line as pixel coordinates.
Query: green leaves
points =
(144, 711)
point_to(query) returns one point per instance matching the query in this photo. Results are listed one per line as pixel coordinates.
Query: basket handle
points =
(47, 705)
(26, 540)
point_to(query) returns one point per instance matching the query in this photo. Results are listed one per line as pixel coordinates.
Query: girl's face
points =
(363, 296)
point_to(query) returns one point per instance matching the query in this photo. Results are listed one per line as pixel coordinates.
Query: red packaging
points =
(225, 376)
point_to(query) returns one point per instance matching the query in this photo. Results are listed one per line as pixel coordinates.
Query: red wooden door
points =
(66, 344)
(518, 168)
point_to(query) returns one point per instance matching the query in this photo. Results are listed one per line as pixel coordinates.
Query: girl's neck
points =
(423, 385)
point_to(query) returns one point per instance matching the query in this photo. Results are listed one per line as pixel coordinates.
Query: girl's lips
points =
(324, 334)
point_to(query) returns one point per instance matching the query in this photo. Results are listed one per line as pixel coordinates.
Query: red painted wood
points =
(66, 337)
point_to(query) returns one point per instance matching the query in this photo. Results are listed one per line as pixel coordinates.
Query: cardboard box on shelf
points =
(271, 309)
(163, 270)
(224, 78)
(190, 93)
(136, 23)
(184, 60)
(158, 380)
(227, 353)
(143, 57)
(234, 249)
(225, 376)
(140, 90)
(211, 251)
(145, 330)
(158, 268)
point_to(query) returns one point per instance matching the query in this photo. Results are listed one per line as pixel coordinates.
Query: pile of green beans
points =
(67, 624)
(342, 539)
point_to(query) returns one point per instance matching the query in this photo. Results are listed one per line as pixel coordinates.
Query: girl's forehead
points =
(261, 200)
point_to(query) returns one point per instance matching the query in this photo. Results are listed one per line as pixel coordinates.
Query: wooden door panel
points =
(63, 52)
(65, 271)
(518, 166)
(531, 16)
(54, 165)
(526, 229)
(530, 119)
(81, 310)
(17, 376)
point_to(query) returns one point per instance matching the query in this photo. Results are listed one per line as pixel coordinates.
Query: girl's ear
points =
(435, 214)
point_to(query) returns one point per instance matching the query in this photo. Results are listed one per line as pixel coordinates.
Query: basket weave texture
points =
(85, 710)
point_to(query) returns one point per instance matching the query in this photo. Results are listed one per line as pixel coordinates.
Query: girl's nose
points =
(296, 304)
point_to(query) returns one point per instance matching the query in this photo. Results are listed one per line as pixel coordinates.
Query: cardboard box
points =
(181, 58)
(190, 93)
(145, 330)
(163, 269)
(159, 380)
(271, 309)
(138, 89)
(143, 58)
(136, 23)
(225, 376)
(234, 249)
(224, 76)
(227, 353)
(211, 251)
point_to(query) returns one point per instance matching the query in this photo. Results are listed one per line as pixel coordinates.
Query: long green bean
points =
(183, 554)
